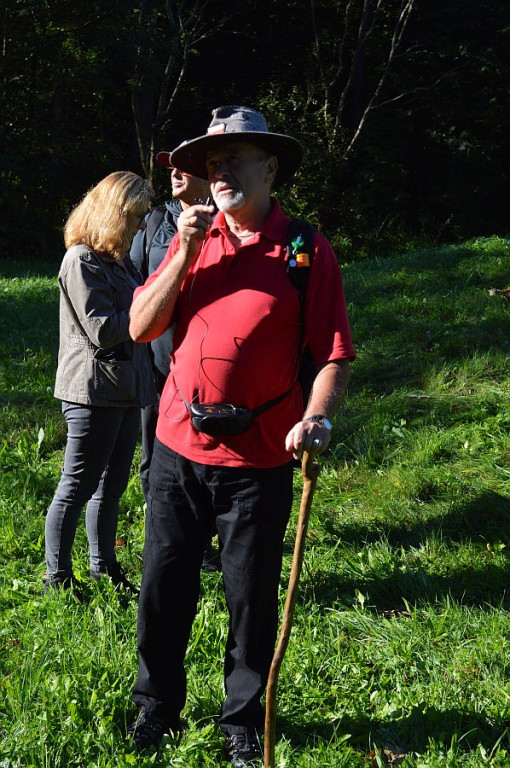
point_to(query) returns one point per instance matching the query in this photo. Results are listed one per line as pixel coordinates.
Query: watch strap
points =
(318, 418)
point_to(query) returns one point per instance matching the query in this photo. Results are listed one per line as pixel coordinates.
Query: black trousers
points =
(149, 422)
(251, 508)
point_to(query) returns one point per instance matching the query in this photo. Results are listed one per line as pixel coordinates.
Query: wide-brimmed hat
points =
(242, 124)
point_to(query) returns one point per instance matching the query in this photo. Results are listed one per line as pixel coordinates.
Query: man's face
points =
(188, 189)
(240, 174)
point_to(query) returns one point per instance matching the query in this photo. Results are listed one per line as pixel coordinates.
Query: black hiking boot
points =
(53, 583)
(117, 577)
(147, 730)
(244, 750)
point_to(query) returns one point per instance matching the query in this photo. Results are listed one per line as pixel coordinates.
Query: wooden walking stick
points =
(310, 472)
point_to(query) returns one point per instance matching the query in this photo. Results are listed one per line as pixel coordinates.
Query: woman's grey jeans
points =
(99, 451)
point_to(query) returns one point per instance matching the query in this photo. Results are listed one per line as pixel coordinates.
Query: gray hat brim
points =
(190, 155)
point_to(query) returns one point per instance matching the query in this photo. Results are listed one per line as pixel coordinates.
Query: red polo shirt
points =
(236, 341)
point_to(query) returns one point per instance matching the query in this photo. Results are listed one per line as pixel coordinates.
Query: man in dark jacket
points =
(147, 252)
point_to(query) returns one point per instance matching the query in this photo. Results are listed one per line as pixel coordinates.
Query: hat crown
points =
(247, 125)
(236, 119)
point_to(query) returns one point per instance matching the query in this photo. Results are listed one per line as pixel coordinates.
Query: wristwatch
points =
(320, 419)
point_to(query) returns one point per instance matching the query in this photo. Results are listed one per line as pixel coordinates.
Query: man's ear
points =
(271, 168)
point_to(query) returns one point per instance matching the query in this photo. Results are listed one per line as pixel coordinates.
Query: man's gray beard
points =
(230, 203)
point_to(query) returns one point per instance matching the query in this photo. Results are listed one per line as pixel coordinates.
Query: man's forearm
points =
(328, 388)
(152, 310)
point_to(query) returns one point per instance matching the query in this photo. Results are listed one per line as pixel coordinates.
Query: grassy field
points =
(399, 653)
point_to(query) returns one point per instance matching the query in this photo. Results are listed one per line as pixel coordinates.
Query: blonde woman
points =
(103, 377)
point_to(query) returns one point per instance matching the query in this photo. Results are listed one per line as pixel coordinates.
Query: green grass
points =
(399, 652)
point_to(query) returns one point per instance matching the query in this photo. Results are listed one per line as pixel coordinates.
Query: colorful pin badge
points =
(296, 258)
(303, 259)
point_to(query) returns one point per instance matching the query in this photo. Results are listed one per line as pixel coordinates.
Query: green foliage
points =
(400, 643)
(66, 122)
(428, 165)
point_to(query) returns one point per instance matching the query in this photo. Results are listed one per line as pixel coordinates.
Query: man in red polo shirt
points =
(231, 417)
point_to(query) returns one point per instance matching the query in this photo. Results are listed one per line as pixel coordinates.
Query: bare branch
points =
(329, 82)
(398, 32)
(357, 67)
(153, 102)
(420, 88)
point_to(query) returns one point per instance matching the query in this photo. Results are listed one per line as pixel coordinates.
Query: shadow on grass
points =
(28, 400)
(421, 347)
(29, 321)
(19, 268)
(410, 312)
(484, 588)
(410, 733)
(485, 520)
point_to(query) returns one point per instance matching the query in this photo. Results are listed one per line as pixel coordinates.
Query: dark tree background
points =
(402, 106)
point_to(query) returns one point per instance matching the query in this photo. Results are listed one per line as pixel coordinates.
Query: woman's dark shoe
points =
(53, 583)
(147, 730)
(244, 749)
(117, 577)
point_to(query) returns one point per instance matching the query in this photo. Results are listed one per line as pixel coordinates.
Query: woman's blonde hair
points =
(100, 219)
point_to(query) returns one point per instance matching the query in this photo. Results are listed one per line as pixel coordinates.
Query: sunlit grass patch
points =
(399, 651)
